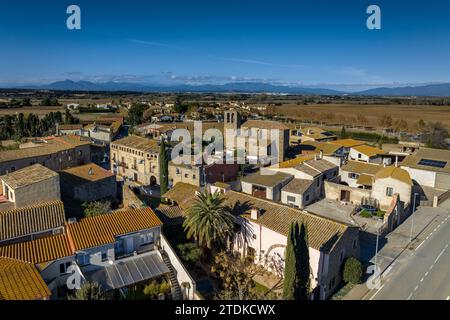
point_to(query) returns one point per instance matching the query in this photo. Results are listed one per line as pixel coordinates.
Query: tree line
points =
(16, 127)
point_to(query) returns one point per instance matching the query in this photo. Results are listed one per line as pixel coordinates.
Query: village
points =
(101, 206)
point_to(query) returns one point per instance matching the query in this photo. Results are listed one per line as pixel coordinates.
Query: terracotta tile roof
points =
(361, 167)
(348, 143)
(263, 178)
(33, 219)
(28, 175)
(264, 124)
(297, 186)
(326, 147)
(182, 193)
(70, 127)
(86, 173)
(322, 233)
(170, 215)
(21, 281)
(47, 146)
(40, 250)
(413, 161)
(101, 230)
(138, 143)
(394, 173)
(365, 179)
(295, 162)
(368, 150)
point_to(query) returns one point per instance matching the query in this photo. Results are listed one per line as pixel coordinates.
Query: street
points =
(422, 271)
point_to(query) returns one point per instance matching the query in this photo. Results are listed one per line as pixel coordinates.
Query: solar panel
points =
(433, 163)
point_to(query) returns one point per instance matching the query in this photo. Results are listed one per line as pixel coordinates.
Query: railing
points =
(182, 274)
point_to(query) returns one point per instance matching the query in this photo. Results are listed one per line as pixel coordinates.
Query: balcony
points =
(123, 165)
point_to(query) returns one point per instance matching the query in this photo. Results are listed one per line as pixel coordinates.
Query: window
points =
(359, 155)
(307, 198)
(352, 175)
(147, 238)
(104, 256)
(186, 175)
(291, 199)
(193, 176)
(389, 191)
(254, 236)
(63, 267)
(83, 259)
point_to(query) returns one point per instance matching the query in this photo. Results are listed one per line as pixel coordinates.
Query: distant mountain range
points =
(437, 90)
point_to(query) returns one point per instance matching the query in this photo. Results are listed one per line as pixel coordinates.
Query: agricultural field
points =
(348, 113)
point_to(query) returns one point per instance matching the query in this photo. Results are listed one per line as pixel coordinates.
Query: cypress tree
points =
(343, 133)
(291, 281)
(163, 168)
(303, 271)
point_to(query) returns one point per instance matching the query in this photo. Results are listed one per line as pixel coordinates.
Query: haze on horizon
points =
(320, 44)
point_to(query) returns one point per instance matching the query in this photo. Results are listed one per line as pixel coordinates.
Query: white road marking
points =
(448, 298)
(426, 274)
(410, 296)
(377, 292)
(440, 255)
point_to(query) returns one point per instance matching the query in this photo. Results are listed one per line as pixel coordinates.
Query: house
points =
(347, 144)
(234, 130)
(55, 153)
(264, 226)
(88, 183)
(69, 129)
(52, 256)
(21, 281)
(299, 193)
(202, 174)
(263, 237)
(429, 167)
(136, 159)
(30, 185)
(390, 181)
(102, 133)
(33, 222)
(301, 134)
(119, 249)
(265, 184)
(368, 154)
(382, 186)
(358, 174)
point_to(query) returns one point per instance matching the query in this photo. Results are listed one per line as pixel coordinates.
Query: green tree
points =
(352, 271)
(208, 221)
(343, 133)
(135, 115)
(190, 253)
(89, 291)
(96, 208)
(296, 284)
(179, 107)
(163, 168)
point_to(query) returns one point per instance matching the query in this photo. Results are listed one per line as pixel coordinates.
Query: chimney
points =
(321, 154)
(255, 214)
(90, 172)
(396, 161)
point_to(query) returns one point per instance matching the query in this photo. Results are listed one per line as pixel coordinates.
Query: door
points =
(345, 195)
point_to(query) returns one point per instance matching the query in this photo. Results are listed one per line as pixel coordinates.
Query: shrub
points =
(353, 271)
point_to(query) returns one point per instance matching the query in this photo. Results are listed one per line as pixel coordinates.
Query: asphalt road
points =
(422, 273)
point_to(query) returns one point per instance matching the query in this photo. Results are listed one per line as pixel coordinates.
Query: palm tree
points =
(209, 221)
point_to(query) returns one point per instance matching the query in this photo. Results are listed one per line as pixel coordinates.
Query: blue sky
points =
(193, 41)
